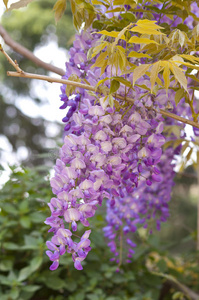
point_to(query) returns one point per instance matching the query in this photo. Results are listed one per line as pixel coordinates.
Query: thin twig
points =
(51, 79)
(92, 88)
(27, 53)
(23, 74)
(12, 62)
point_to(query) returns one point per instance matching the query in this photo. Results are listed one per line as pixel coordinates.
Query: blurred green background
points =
(165, 264)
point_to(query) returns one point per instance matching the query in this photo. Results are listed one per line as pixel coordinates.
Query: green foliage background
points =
(24, 272)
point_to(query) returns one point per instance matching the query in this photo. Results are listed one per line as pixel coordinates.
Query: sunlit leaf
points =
(137, 40)
(148, 24)
(138, 55)
(100, 60)
(59, 8)
(112, 34)
(191, 58)
(154, 74)
(179, 95)
(166, 77)
(179, 76)
(140, 71)
(146, 30)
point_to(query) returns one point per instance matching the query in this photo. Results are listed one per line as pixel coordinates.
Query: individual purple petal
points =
(86, 234)
(74, 226)
(54, 265)
(72, 214)
(78, 265)
(62, 249)
(51, 246)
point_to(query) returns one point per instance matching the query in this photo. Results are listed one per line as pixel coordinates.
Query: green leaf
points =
(114, 86)
(10, 246)
(6, 265)
(36, 263)
(59, 8)
(14, 293)
(55, 283)
(31, 288)
(161, 264)
(37, 217)
(25, 222)
(140, 71)
(10, 209)
(24, 273)
(23, 206)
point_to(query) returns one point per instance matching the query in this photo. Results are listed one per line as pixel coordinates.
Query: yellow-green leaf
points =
(6, 3)
(59, 8)
(123, 81)
(188, 156)
(179, 95)
(112, 34)
(114, 86)
(140, 71)
(179, 76)
(99, 48)
(154, 74)
(138, 55)
(100, 60)
(166, 77)
(177, 143)
(191, 58)
(137, 40)
(184, 147)
(111, 100)
(148, 24)
(182, 38)
(146, 30)
(101, 81)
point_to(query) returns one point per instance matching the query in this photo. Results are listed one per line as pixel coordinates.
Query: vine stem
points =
(92, 88)
(20, 73)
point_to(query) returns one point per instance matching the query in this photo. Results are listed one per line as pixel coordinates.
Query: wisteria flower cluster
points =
(108, 153)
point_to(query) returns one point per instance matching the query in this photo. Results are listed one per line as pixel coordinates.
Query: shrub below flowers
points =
(24, 270)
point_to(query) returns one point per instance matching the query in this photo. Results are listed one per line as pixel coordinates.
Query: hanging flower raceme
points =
(108, 153)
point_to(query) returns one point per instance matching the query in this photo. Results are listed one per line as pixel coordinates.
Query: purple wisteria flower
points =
(108, 154)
